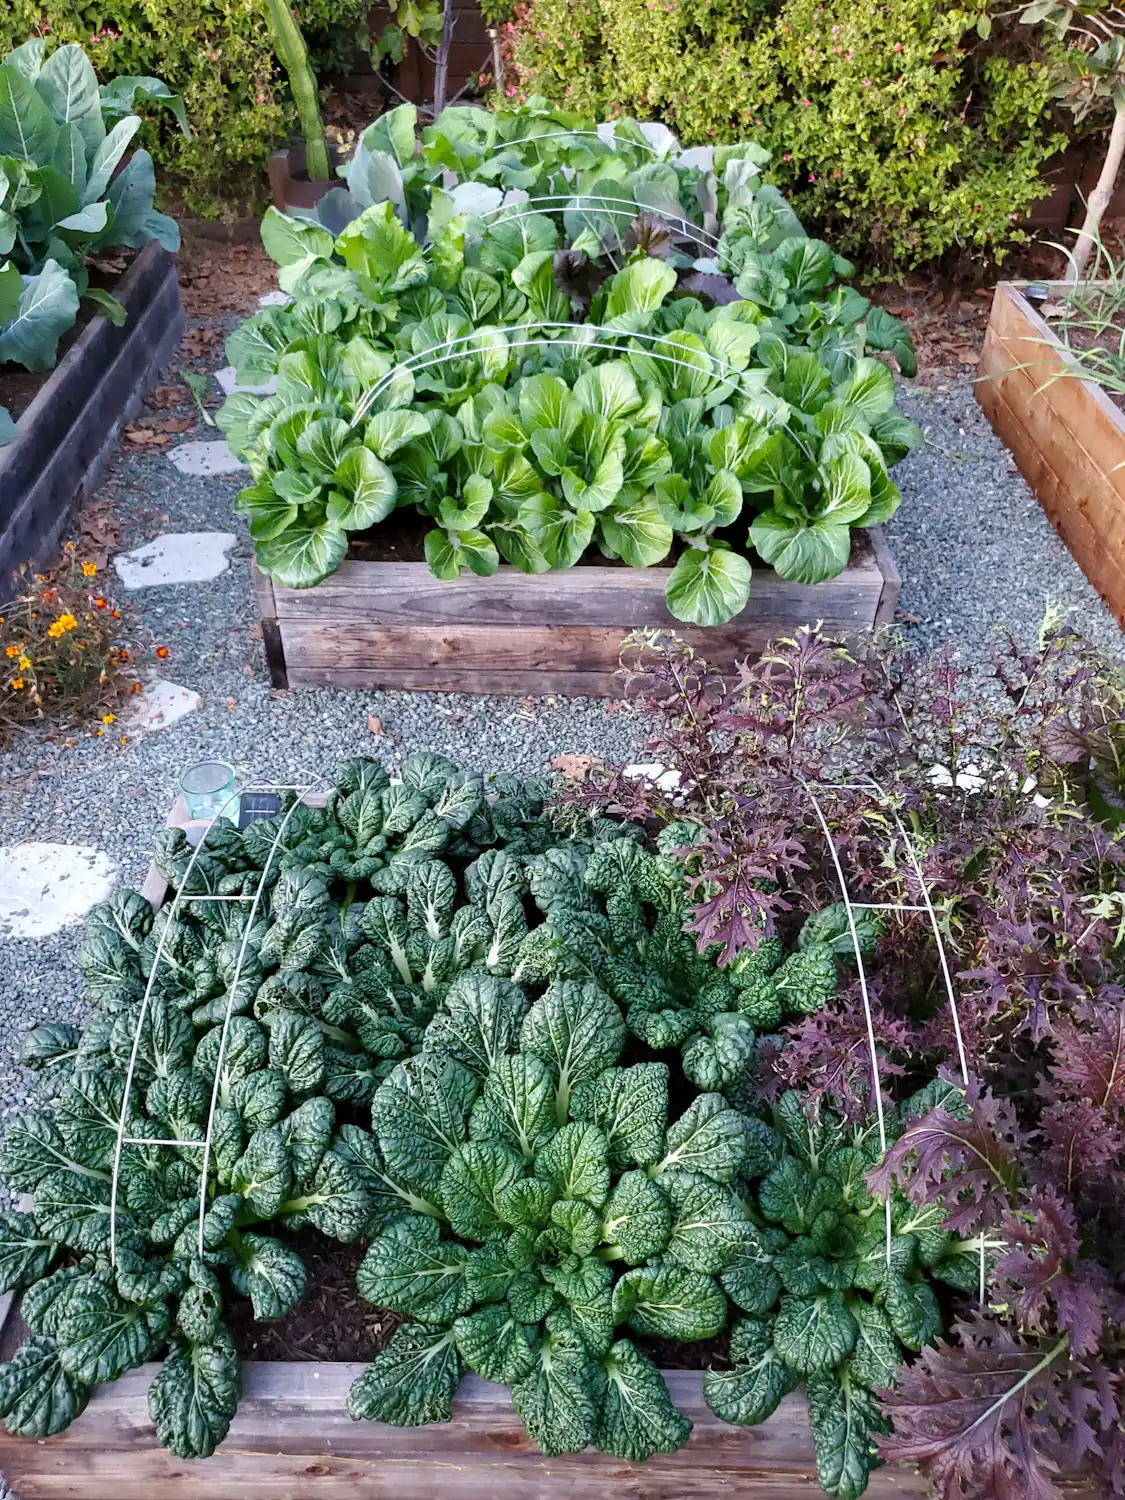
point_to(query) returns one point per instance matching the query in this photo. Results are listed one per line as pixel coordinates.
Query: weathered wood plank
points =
(390, 594)
(292, 1440)
(1066, 436)
(393, 625)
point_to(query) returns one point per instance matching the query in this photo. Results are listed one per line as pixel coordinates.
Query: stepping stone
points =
(228, 379)
(206, 458)
(178, 557)
(274, 299)
(667, 780)
(46, 887)
(161, 704)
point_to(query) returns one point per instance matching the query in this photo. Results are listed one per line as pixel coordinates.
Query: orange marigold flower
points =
(89, 569)
(116, 613)
(122, 655)
(163, 653)
(17, 682)
(99, 602)
(12, 651)
(138, 687)
(60, 627)
(48, 596)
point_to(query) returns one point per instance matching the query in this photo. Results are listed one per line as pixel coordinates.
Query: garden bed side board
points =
(1065, 434)
(393, 625)
(73, 426)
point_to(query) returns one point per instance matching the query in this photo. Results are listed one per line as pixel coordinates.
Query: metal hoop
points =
(424, 361)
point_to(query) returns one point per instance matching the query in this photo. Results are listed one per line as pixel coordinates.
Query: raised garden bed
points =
(73, 425)
(1065, 434)
(394, 625)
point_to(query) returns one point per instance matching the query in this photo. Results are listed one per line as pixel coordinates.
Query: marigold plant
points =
(61, 650)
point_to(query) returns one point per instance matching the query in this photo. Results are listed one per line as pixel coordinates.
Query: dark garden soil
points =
(335, 1325)
(332, 1323)
(401, 538)
(1109, 343)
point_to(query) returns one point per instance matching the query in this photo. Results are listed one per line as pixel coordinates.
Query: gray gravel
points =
(974, 548)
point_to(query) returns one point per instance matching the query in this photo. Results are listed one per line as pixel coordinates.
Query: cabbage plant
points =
(69, 189)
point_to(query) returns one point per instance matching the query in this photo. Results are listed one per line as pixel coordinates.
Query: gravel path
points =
(973, 545)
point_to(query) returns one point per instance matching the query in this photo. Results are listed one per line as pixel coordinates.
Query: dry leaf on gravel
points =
(576, 767)
(375, 725)
(200, 340)
(155, 432)
(165, 396)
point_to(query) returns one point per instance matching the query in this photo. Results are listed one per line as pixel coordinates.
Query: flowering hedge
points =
(894, 128)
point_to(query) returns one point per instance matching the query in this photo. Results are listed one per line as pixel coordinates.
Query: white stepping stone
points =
(205, 458)
(161, 704)
(178, 557)
(274, 299)
(46, 887)
(228, 379)
(666, 779)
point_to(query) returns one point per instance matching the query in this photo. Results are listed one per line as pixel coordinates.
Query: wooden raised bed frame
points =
(73, 426)
(1065, 434)
(394, 625)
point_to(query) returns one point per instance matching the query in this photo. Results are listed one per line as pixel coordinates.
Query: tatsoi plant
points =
(323, 992)
(831, 1297)
(64, 194)
(552, 1205)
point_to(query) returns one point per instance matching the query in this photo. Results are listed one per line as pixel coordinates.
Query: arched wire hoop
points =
(555, 135)
(611, 208)
(448, 351)
(254, 901)
(870, 786)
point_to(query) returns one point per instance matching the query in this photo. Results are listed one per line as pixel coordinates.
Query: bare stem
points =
(1099, 200)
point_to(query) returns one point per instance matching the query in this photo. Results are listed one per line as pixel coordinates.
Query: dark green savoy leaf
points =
(637, 1418)
(410, 1269)
(814, 1333)
(25, 1254)
(270, 1274)
(37, 1396)
(195, 1394)
(555, 1399)
(751, 1389)
(412, 1381)
(842, 1417)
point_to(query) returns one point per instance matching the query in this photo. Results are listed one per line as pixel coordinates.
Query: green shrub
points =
(217, 53)
(892, 127)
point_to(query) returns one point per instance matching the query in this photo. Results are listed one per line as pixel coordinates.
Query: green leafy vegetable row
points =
(543, 377)
(431, 1015)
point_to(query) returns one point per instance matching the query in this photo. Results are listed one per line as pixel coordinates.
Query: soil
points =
(401, 538)
(332, 1322)
(19, 387)
(335, 1325)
